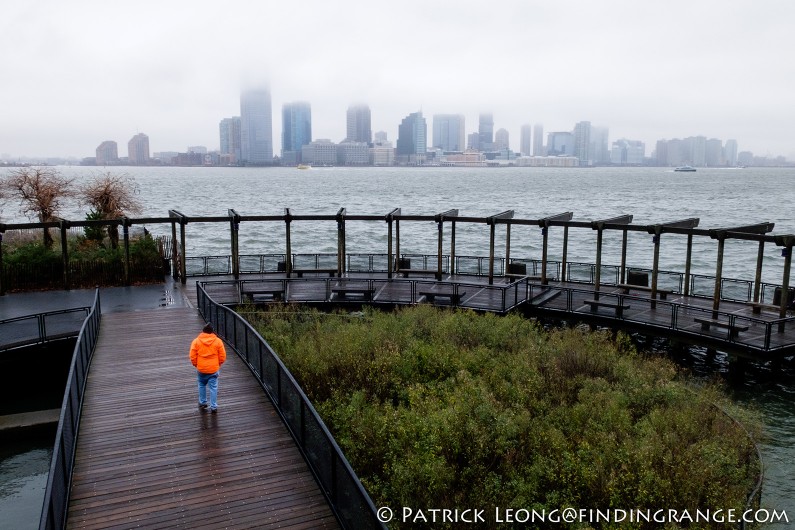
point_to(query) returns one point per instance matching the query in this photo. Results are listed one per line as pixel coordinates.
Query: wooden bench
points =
(271, 295)
(626, 288)
(734, 329)
(301, 272)
(455, 298)
(406, 272)
(343, 291)
(619, 307)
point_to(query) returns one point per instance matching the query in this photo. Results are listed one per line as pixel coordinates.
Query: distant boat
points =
(685, 168)
(303, 166)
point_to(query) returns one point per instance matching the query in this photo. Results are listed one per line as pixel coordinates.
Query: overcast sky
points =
(76, 73)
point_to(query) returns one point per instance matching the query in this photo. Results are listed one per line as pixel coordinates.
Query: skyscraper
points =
(229, 130)
(358, 124)
(582, 142)
(501, 140)
(412, 138)
(256, 129)
(138, 150)
(538, 140)
(486, 132)
(448, 132)
(599, 151)
(525, 140)
(107, 153)
(296, 130)
(730, 152)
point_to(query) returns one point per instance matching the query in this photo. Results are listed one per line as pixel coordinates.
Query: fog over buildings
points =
(77, 74)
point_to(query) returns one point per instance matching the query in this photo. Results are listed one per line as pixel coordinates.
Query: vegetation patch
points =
(452, 409)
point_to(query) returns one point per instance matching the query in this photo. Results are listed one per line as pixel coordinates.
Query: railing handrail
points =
(209, 310)
(56, 496)
(41, 336)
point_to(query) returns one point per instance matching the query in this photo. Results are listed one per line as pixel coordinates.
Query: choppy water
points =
(719, 197)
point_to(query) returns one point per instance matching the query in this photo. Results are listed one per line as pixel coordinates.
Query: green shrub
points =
(444, 409)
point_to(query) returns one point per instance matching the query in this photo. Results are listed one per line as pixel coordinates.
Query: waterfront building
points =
(627, 152)
(107, 153)
(198, 149)
(547, 161)
(380, 138)
(412, 139)
(713, 155)
(473, 142)
(486, 132)
(538, 140)
(165, 158)
(730, 152)
(468, 158)
(501, 140)
(256, 130)
(138, 150)
(358, 124)
(448, 132)
(696, 149)
(745, 158)
(661, 153)
(525, 140)
(229, 130)
(382, 154)
(353, 153)
(599, 151)
(582, 142)
(320, 152)
(560, 143)
(296, 131)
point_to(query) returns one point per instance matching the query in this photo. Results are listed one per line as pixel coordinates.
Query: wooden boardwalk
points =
(147, 457)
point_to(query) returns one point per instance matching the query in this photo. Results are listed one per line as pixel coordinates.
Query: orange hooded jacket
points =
(207, 353)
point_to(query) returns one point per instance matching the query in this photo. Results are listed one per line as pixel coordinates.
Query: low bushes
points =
(442, 409)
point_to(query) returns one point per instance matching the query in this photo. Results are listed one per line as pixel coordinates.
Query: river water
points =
(718, 197)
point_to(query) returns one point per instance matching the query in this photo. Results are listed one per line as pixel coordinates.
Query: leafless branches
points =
(40, 191)
(110, 197)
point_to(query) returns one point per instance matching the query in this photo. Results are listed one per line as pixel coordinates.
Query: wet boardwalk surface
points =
(147, 457)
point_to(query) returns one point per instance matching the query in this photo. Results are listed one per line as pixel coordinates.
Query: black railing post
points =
(67, 280)
(234, 237)
(2, 267)
(126, 234)
(288, 256)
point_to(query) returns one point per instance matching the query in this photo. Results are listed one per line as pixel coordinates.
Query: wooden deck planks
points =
(147, 457)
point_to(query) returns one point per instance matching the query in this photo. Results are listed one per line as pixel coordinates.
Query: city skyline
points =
(76, 77)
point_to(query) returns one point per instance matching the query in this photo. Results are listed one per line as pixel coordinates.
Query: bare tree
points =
(110, 197)
(40, 191)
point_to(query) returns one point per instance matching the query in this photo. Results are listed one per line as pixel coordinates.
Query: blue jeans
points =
(210, 380)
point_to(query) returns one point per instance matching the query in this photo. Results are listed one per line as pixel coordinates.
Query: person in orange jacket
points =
(207, 354)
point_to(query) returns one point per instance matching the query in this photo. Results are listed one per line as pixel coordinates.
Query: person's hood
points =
(207, 338)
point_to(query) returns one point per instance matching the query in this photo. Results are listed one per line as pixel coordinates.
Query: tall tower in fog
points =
(412, 136)
(296, 130)
(582, 142)
(448, 132)
(525, 140)
(358, 124)
(538, 140)
(486, 132)
(138, 150)
(256, 129)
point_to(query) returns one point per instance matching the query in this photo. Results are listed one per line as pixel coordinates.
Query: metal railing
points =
(56, 496)
(345, 493)
(41, 327)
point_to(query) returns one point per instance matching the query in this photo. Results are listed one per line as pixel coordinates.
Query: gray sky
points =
(78, 72)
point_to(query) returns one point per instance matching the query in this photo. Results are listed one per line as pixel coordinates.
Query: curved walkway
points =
(147, 457)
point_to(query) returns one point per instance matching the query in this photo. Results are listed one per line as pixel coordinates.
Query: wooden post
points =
(718, 275)
(397, 241)
(288, 257)
(758, 279)
(787, 251)
(389, 256)
(234, 229)
(545, 234)
(125, 228)
(440, 226)
(174, 251)
(624, 258)
(452, 248)
(491, 254)
(341, 242)
(507, 246)
(598, 276)
(655, 269)
(182, 263)
(688, 263)
(67, 276)
(565, 252)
